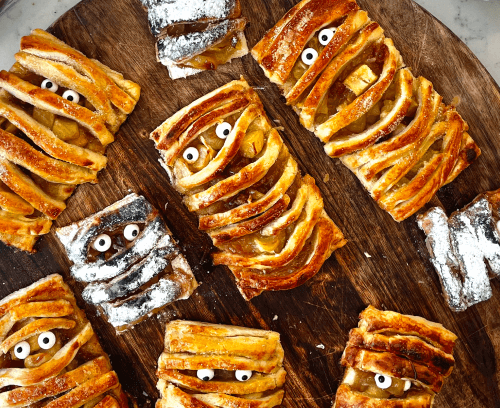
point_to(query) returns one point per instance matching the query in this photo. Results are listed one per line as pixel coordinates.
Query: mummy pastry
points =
(58, 112)
(231, 165)
(50, 356)
(196, 35)
(209, 365)
(129, 258)
(464, 247)
(349, 85)
(394, 361)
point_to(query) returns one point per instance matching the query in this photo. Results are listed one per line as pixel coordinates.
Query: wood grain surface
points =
(385, 264)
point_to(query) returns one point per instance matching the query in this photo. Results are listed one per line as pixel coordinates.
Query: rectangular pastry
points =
(267, 220)
(216, 366)
(464, 248)
(196, 35)
(349, 85)
(50, 356)
(394, 361)
(58, 112)
(129, 259)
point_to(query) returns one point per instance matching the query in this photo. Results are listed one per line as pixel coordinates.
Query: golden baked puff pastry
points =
(58, 112)
(394, 361)
(267, 220)
(209, 365)
(350, 86)
(49, 354)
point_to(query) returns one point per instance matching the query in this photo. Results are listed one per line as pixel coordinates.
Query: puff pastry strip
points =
(352, 89)
(74, 370)
(50, 140)
(193, 346)
(394, 360)
(266, 219)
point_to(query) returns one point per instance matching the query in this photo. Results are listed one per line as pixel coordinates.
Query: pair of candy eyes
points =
(103, 242)
(309, 55)
(384, 381)
(207, 374)
(191, 154)
(70, 95)
(46, 341)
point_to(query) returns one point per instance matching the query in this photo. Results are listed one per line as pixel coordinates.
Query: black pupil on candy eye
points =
(226, 132)
(309, 56)
(324, 38)
(244, 378)
(134, 233)
(102, 242)
(46, 340)
(381, 379)
(207, 378)
(19, 349)
(49, 84)
(190, 156)
(70, 98)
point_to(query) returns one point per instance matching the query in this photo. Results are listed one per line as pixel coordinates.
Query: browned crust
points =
(21, 242)
(410, 347)
(376, 321)
(348, 398)
(280, 48)
(11, 202)
(20, 225)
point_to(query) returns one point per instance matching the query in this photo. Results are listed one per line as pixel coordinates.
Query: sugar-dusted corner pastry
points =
(350, 86)
(129, 259)
(58, 112)
(216, 366)
(267, 219)
(464, 248)
(394, 361)
(196, 35)
(50, 356)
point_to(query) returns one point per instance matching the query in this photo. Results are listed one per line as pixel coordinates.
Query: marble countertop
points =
(476, 22)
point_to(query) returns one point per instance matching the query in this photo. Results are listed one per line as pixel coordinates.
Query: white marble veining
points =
(476, 22)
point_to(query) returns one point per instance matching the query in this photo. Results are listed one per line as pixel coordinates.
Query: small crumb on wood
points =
(275, 318)
(367, 255)
(326, 179)
(321, 346)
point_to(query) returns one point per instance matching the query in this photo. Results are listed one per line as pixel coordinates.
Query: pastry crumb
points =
(367, 255)
(326, 178)
(321, 346)
(275, 318)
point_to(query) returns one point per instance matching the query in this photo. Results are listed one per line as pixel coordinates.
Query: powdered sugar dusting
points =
(460, 247)
(162, 13)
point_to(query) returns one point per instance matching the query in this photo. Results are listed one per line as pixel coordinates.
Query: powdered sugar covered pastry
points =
(129, 258)
(464, 247)
(196, 35)
(394, 361)
(217, 366)
(267, 219)
(164, 13)
(50, 356)
(350, 86)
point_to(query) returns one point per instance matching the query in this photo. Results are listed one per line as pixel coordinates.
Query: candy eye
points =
(309, 55)
(243, 375)
(325, 36)
(383, 381)
(102, 243)
(222, 130)
(71, 96)
(131, 231)
(205, 374)
(22, 350)
(407, 385)
(191, 154)
(46, 340)
(49, 85)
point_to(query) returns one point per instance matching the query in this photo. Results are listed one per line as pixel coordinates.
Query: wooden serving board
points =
(384, 264)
